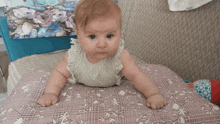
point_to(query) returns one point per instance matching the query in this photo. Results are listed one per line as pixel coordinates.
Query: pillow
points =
(119, 104)
(53, 20)
(185, 5)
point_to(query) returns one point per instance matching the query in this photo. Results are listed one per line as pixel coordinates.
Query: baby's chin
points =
(98, 56)
(101, 56)
(96, 59)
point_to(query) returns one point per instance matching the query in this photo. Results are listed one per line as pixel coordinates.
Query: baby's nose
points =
(101, 43)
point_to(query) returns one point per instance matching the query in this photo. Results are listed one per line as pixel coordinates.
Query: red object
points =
(215, 91)
(190, 84)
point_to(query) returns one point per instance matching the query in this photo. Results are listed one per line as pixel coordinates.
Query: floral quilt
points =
(116, 105)
(52, 20)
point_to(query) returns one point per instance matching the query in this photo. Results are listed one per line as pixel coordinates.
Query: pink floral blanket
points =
(120, 104)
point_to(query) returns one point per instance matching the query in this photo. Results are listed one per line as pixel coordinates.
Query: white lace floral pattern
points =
(120, 104)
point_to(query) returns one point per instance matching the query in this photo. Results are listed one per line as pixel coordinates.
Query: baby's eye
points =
(92, 36)
(109, 36)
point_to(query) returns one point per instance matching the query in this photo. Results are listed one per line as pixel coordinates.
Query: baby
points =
(98, 58)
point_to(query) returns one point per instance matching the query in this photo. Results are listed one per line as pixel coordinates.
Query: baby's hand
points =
(48, 99)
(156, 101)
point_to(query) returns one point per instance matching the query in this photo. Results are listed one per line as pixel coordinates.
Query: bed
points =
(160, 42)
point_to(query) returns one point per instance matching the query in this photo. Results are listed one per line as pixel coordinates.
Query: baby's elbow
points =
(129, 75)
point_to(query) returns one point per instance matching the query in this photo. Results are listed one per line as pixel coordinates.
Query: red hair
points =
(87, 10)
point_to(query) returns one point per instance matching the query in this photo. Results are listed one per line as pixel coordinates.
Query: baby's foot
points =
(156, 101)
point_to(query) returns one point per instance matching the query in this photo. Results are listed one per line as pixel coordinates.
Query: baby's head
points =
(88, 10)
(98, 28)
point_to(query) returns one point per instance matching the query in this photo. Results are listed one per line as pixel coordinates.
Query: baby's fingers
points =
(148, 104)
(154, 106)
(48, 102)
(151, 105)
(41, 101)
(55, 101)
(159, 106)
(162, 105)
(165, 103)
(51, 101)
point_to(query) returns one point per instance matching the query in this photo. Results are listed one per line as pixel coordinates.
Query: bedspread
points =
(120, 104)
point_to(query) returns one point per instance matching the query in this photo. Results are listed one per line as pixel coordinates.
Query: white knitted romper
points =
(105, 73)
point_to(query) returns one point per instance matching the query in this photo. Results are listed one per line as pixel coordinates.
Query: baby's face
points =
(100, 39)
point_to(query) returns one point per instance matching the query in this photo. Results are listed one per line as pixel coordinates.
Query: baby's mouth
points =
(101, 52)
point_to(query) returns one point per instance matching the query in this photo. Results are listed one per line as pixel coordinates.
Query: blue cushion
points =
(18, 48)
(0, 32)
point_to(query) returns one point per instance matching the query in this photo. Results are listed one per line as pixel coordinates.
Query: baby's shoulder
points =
(65, 57)
(124, 54)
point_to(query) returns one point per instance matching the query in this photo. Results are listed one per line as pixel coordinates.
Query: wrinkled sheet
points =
(185, 5)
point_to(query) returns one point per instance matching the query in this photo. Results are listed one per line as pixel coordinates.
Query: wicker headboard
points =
(186, 42)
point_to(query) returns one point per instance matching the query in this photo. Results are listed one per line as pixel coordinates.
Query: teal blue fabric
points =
(0, 33)
(41, 2)
(18, 48)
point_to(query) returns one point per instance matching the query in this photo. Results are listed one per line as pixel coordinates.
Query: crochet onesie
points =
(105, 73)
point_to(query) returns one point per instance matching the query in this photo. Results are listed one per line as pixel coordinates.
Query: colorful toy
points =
(209, 89)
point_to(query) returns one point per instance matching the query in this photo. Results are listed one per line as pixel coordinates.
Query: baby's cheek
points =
(88, 49)
(116, 46)
(114, 50)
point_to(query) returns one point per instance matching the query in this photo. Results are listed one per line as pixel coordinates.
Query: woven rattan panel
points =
(186, 42)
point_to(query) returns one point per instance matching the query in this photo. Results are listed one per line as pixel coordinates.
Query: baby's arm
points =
(141, 81)
(56, 82)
